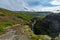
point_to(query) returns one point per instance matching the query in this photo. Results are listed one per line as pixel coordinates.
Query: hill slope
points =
(10, 18)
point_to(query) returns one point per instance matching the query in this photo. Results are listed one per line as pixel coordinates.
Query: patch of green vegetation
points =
(3, 26)
(2, 14)
(21, 18)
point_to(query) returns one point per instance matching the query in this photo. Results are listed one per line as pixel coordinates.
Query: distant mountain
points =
(27, 14)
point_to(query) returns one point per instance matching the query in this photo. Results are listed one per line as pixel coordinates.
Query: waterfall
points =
(59, 37)
(33, 25)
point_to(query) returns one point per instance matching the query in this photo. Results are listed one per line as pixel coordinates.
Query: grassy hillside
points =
(10, 18)
(24, 14)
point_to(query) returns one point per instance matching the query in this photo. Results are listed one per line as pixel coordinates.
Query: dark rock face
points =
(50, 25)
(54, 24)
(54, 21)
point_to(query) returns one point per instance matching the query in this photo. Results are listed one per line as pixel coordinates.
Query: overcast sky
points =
(37, 5)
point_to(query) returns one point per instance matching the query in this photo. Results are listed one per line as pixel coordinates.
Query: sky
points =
(30, 5)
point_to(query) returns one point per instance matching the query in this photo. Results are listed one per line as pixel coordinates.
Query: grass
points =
(3, 25)
(8, 18)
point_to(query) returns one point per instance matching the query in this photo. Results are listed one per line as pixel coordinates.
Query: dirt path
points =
(11, 34)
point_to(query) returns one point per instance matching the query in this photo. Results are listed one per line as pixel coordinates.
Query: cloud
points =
(15, 5)
(30, 5)
(18, 5)
(42, 8)
(55, 2)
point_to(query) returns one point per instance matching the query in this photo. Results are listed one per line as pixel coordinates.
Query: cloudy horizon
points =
(30, 5)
